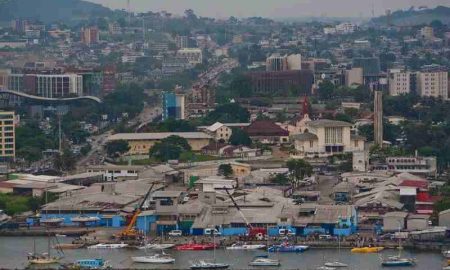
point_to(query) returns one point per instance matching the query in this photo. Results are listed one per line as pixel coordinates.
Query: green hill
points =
(417, 17)
(49, 11)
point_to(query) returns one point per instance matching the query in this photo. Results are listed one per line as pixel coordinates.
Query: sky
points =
(273, 8)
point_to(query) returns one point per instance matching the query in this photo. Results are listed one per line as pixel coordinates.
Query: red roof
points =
(265, 128)
(414, 183)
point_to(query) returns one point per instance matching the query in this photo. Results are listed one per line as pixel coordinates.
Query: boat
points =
(43, 258)
(84, 219)
(264, 260)
(54, 221)
(162, 258)
(89, 264)
(200, 265)
(367, 249)
(325, 268)
(446, 254)
(394, 261)
(238, 246)
(287, 248)
(157, 246)
(335, 264)
(68, 246)
(446, 268)
(207, 246)
(108, 246)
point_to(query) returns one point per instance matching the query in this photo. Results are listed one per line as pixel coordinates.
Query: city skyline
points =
(273, 9)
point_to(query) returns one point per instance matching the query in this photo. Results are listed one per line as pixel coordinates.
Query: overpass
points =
(38, 98)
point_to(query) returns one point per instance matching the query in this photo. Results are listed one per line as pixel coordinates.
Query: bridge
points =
(33, 97)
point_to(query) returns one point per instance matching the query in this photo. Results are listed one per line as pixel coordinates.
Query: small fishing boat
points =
(325, 268)
(108, 246)
(157, 246)
(238, 246)
(367, 249)
(287, 248)
(84, 219)
(43, 258)
(200, 265)
(207, 246)
(264, 260)
(335, 264)
(394, 261)
(162, 258)
(52, 221)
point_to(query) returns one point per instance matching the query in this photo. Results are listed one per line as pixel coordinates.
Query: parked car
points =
(325, 237)
(286, 232)
(210, 232)
(175, 233)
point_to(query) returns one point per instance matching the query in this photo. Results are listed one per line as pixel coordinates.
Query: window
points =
(311, 144)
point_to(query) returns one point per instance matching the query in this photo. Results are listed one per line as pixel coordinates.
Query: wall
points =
(145, 223)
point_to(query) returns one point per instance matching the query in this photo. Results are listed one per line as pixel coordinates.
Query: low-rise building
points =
(394, 221)
(324, 137)
(267, 132)
(141, 143)
(194, 55)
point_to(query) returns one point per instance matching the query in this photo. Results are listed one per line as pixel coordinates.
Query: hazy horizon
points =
(273, 8)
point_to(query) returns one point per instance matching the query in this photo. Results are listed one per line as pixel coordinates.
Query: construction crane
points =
(253, 233)
(129, 232)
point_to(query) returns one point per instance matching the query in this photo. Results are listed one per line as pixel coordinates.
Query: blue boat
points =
(396, 261)
(287, 248)
(92, 264)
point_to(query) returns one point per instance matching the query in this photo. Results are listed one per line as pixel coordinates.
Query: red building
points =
(267, 132)
(90, 35)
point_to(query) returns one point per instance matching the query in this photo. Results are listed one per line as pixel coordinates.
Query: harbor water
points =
(14, 250)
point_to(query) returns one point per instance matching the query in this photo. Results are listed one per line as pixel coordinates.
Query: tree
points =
(115, 148)
(239, 137)
(298, 169)
(326, 90)
(228, 113)
(169, 148)
(225, 170)
(280, 179)
(65, 162)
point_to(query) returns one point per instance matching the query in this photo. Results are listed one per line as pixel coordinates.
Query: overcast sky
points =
(273, 8)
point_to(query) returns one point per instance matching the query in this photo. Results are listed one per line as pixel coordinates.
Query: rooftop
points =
(304, 136)
(157, 136)
(328, 123)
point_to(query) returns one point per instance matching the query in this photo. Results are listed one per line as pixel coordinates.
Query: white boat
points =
(446, 268)
(245, 247)
(200, 265)
(84, 219)
(52, 220)
(108, 246)
(325, 268)
(156, 258)
(335, 264)
(446, 254)
(264, 261)
(157, 246)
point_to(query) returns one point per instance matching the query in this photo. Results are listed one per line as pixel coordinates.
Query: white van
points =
(286, 232)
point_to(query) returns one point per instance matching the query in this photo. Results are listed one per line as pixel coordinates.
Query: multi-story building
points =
(194, 55)
(353, 76)
(277, 62)
(427, 32)
(415, 165)
(7, 140)
(173, 106)
(174, 65)
(325, 137)
(345, 28)
(433, 82)
(90, 35)
(182, 42)
(265, 82)
(109, 79)
(399, 82)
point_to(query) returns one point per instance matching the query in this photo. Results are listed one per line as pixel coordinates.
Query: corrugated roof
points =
(304, 136)
(157, 136)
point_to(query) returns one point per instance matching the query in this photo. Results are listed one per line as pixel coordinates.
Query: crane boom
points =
(238, 208)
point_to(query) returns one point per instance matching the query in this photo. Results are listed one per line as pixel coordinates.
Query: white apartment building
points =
(433, 84)
(399, 82)
(194, 55)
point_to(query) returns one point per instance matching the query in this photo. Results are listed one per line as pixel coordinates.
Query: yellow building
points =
(140, 143)
(7, 132)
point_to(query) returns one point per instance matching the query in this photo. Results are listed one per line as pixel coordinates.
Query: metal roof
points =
(158, 136)
(328, 123)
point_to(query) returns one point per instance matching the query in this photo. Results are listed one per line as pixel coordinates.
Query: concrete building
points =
(182, 42)
(354, 76)
(219, 131)
(399, 82)
(444, 218)
(116, 173)
(433, 82)
(360, 161)
(90, 35)
(140, 143)
(194, 55)
(173, 106)
(394, 221)
(325, 137)
(7, 131)
(265, 82)
(427, 33)
(267, 132)
(277, 62)
(371, 68)
(378, 118)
